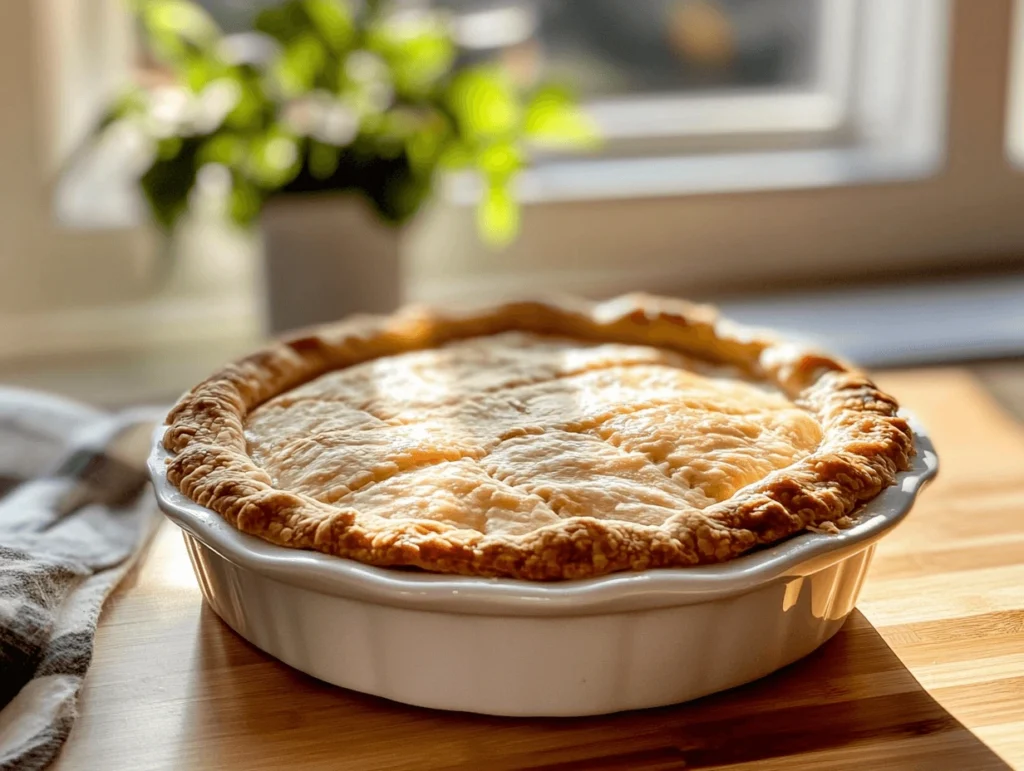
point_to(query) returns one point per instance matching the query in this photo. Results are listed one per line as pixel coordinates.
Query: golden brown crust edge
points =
(865, 445)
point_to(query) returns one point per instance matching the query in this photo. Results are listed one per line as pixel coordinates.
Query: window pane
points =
(612, 48)
(236, 15)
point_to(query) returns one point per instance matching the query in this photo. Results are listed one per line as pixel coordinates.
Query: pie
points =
(536, 440)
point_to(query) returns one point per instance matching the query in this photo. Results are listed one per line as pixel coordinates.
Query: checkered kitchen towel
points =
(73, 513)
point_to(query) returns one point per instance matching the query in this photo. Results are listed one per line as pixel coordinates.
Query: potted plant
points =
(329, 125)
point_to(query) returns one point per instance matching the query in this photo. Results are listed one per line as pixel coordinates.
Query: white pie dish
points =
(510, 647)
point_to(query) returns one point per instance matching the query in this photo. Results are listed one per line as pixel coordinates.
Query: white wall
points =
(71, 288)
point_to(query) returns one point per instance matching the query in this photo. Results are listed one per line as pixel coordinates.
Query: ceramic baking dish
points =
(510, 647)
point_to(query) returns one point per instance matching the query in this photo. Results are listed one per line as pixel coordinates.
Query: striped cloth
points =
(73, 513)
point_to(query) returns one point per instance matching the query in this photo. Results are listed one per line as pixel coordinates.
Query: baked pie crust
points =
(536, 440)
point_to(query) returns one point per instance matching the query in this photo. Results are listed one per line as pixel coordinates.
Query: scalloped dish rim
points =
(618, 592)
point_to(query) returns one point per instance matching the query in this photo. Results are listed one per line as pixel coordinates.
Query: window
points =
(825, 91)
(678, 67)
(905, 171)
(612, 50)
(685, 91)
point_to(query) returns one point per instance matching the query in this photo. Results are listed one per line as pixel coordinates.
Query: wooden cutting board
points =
(927, 674)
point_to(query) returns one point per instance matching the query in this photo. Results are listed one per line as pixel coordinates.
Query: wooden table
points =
(929, 673)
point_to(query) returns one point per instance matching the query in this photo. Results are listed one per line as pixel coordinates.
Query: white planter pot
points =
(327, 256)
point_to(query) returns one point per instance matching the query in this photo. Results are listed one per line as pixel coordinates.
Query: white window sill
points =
(609, 179)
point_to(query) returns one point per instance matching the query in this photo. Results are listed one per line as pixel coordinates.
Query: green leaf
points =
(226, 149)
(168, 148)
(555, 94)
(553, 119)
(421, 62)
(283, 22)
(497, 216)
(419, 52)
(323, 159)
(500, 161)
(402, 193)
(274, 159)
(131, 103)
(179, 30)
(300, 64)
(199, 72)
(245, 201)
(167, 184)
(400, 123)
(424, 147)
(252, 104)
(332, 19)
(485, 103)
(214, 104)
(365, 85)
(457, 154)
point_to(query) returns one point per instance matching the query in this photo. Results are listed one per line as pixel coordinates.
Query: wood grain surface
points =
(927, 674)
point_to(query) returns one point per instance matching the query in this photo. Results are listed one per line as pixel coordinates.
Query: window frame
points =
(936, 193)
(820, 107)
(864, 120)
